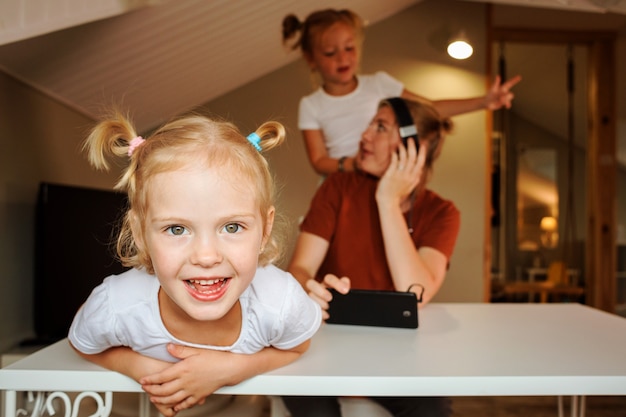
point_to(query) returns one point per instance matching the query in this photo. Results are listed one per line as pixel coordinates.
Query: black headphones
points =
(405, 121)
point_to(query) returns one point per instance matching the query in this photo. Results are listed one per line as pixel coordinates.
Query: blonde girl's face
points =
(378, 141)
(204, 232)
(335, 54)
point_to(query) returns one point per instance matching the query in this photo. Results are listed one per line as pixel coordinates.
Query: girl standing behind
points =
(198, 236)
(333, 117)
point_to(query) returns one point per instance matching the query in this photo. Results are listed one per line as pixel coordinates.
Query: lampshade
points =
(549, 235)
(548, 224)
(460, 48)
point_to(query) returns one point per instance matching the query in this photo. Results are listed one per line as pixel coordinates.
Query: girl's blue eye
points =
(232, 228)
(176, 230)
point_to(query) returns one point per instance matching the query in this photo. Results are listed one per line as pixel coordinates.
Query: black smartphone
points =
(374, 308)
(405, 120)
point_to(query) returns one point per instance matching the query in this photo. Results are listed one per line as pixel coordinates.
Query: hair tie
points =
(255, 140)
(134, 144)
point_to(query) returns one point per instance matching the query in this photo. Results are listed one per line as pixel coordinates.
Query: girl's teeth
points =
(206, 281)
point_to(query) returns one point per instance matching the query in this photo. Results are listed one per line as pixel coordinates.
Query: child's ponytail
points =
(291, 26)
(268, 136)
(111, 137)
(114, 137)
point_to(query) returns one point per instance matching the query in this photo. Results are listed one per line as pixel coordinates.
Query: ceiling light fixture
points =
(460, 48)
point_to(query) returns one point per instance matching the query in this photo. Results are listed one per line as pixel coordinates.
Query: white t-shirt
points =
(343, 119)
(124, 311)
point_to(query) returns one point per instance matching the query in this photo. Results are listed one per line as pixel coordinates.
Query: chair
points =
(564, 281)
(557, 273)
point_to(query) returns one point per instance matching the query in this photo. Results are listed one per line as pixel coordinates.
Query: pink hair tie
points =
(134, 144)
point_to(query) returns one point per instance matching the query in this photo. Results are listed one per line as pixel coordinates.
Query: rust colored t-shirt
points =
(344, 212)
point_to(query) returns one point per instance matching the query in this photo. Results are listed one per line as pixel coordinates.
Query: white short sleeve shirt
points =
(124, 311)
(342, 119)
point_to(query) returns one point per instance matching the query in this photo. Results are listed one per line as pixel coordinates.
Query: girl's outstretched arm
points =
(201, 372)
(498, 96)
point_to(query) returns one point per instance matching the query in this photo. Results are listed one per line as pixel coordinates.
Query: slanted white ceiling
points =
(23, 19)
(168, 57)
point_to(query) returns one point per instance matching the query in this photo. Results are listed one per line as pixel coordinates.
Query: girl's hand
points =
(500, 95)
(201, 372)
(188, 382)
(166, 410)
(403, 174)
(321, 295)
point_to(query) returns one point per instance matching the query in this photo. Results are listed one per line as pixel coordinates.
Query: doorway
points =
(545, 159)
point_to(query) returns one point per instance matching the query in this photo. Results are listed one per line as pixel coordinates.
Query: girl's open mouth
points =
(207, 289)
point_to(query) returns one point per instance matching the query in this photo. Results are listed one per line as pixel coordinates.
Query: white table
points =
(458, 350)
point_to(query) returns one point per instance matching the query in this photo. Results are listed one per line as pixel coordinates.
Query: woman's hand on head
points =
(319, 291)
(403, 174)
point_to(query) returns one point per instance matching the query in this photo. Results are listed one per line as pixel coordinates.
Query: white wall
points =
(40, 140)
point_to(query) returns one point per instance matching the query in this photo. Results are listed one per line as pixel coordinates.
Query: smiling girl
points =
(198, 238)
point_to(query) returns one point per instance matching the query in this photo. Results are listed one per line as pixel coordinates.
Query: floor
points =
(534, 407)
(530, 407)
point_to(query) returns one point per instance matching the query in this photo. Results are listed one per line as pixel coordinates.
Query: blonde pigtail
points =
(268, 136)
(110, 137)
(113, 138)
